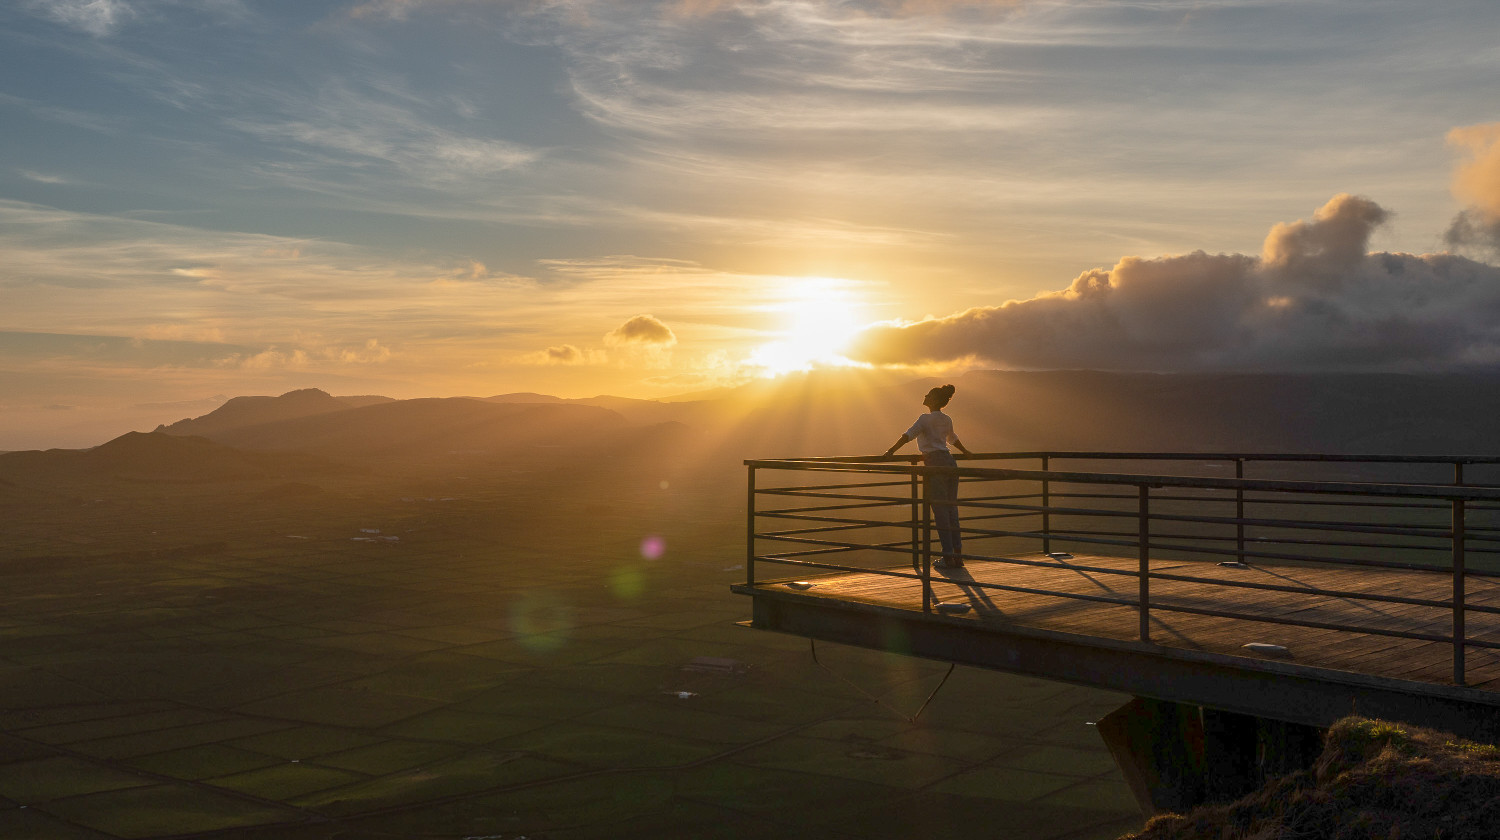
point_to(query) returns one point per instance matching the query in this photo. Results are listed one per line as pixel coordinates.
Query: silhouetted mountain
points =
(428, 426)
(855, 412)
(251, 411)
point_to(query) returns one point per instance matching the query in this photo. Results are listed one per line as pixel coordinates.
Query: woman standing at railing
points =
(933, 432)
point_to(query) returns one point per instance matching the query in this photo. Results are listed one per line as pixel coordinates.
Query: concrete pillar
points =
(1287, 747)
(1230, 752)
(1175, 756)
(1159, 747)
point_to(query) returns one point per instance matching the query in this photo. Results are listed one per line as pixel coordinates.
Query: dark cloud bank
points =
(1315, 299)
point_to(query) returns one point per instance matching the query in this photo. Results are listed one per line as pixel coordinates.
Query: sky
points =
(208, 198)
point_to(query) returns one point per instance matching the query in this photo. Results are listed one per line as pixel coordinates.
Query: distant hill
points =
(426, 427)
(523, 397)
(158, 457)
(862, 412)
(250, 411)
(364, 399)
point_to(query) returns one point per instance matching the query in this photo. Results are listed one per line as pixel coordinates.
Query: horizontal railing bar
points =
(1062, 533)
(1124, 602)
(1185, 456)
(1263, 540)
(815, 508)
(897, 546)
(879, 547)
(1155, 605)
(868, 523)
(820, 530)
(1306, 524)
(1299, 502)
(1414, 491)
(874, 523)
(1259, 500)
(814, 487)
(1302, 622)
(1228, 584)
(817, 552)
(1306, 558)
(786, 561)
(837, 496)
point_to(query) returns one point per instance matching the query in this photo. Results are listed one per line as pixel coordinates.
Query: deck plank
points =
(1364, 653)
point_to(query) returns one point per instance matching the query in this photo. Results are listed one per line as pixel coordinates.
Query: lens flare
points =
(653, 547)
(627, 583)
(541, 621)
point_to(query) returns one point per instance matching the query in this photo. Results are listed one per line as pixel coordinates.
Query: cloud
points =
(579, 10)
(352, 126)
(562, 354)
(642, 330)
(41, 177)
(1314, 300)
(1477, 182)
(96, 17)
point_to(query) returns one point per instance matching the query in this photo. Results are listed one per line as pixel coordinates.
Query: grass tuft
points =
(1374, 781)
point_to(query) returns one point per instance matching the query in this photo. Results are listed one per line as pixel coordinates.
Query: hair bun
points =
(948, 390)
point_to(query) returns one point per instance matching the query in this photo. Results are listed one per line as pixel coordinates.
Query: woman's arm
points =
(958, 443)
(897, 445)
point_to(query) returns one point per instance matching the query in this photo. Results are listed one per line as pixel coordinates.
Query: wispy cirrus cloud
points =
(96, 17)
(346, 127)
(102, 18)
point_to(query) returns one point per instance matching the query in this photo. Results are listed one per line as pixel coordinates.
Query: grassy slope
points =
(1374, 781)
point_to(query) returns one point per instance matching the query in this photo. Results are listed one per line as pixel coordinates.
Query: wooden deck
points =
(1350, 668)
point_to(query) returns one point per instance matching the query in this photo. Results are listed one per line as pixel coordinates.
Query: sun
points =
(818, 318)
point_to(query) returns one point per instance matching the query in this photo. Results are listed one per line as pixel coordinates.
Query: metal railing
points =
(870, 514)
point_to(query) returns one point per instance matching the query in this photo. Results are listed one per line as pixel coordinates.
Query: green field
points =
(250, 659)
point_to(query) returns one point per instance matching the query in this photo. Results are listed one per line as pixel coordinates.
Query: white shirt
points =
(933, 432)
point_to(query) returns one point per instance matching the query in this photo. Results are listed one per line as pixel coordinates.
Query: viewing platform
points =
(1322, 587)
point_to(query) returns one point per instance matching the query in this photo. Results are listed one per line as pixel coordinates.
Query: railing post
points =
(1458, 592)
(926, 554)
(916, 523)
(750, 529)
(1144, 517)
(1239, 511)
(1458, 473)
(1046, 514)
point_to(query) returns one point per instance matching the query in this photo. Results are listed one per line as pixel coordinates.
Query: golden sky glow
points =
(574, 197)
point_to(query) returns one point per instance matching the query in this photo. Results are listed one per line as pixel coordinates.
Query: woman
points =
(933, 432)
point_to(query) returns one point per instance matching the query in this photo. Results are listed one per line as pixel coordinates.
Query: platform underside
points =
(1323, 675)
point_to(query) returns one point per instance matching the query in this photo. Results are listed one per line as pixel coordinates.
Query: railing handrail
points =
(1346, 488)
(1094, 455)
